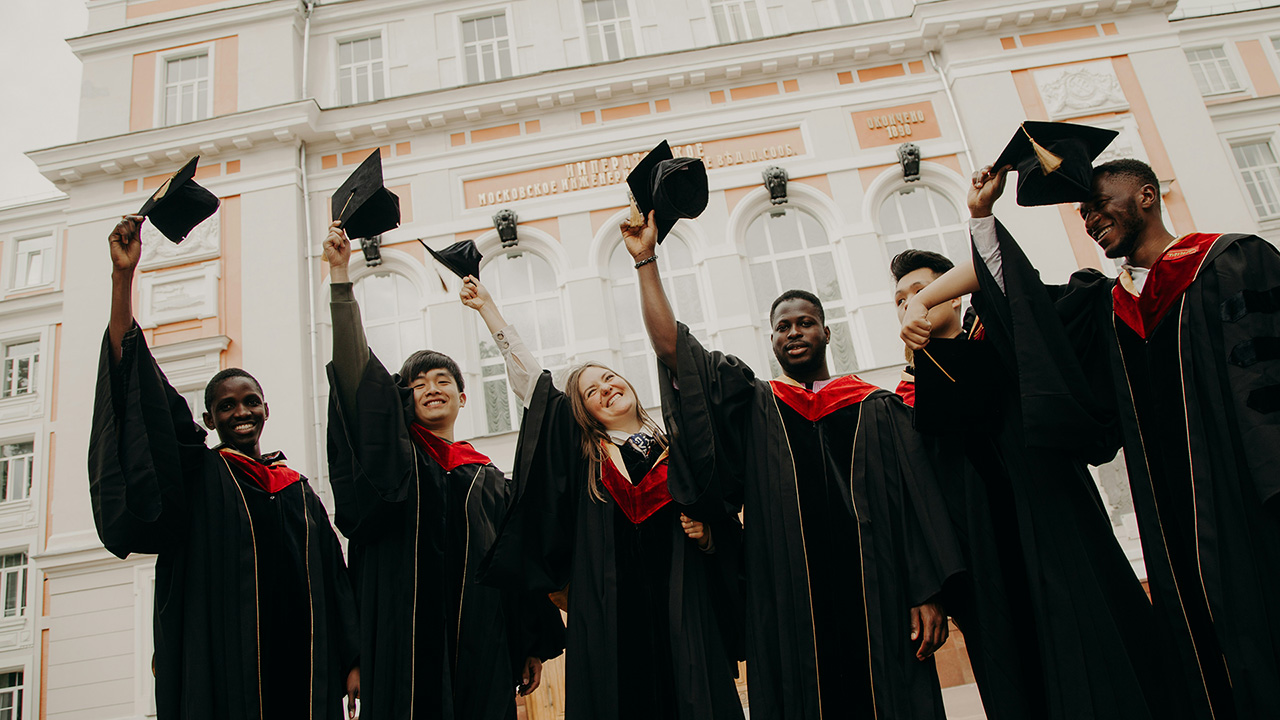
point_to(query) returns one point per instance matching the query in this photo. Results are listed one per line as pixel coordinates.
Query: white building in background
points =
(540, 107)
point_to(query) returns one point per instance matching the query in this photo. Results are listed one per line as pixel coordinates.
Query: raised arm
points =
(126, 250)
(522, 367)
(986, 187)
(350, 348)
(659, 320)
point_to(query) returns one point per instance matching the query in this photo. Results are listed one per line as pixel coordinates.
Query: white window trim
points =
(475, 13)
(766, 28)
(37, 382)
(1244, 137)
(55, 259)
(28, 607)
(1231, 54)
(27, 678)
(18, 507)
(635, 32)
(380, 31)
(162, 62)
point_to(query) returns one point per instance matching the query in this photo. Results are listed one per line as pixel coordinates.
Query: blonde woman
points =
(650, 590)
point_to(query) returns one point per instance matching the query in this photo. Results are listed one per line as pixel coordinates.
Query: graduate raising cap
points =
(1054, 161)
(180, 204)
(675, 187)
(362, 205)
(462, 258)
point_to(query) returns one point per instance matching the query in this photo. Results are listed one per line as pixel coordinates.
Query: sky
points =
(33, 38)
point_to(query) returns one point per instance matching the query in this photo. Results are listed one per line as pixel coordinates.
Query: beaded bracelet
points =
(646, 261)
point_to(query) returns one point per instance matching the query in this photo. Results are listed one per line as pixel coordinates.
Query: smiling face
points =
(437, 400)
(1114, 216)
(800, 339)
(945, 317)
(609, 398)
(238, 414)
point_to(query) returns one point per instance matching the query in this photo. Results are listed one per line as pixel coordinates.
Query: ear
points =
(826, 333)
(462, 400)
(266, 410)
(208, 420)
(1150, 195)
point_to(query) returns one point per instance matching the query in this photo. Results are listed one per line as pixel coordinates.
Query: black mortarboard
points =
(957, 385)
(180, 204)
(462, 258)
(1054, 161)
(675, 187)
(363, 205)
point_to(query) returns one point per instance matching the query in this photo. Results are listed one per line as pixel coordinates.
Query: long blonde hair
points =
(594, 433)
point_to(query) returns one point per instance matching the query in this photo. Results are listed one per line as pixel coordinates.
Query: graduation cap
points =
(1054, 161)
(180, 204)
(462, 258)
(957, 384)
(364, 207)
(675, 187)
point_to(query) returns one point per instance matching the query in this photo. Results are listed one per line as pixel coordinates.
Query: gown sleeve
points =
(1247, 277)
(343, 618)
(371, 457)
(1056, 338)
(144, 448)
(705, 404)
(534, 548)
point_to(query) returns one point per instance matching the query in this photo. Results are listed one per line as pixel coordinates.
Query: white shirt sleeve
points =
(983, 232)
(522, 367)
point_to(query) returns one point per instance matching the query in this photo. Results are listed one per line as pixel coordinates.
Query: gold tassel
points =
(1048, 161)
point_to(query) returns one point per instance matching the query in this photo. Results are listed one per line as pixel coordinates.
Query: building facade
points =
(539, 108)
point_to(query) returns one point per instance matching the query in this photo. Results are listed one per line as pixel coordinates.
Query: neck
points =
(252, 451)
(445, 433)
(817, 374)
(1151, 245)
(630, 426)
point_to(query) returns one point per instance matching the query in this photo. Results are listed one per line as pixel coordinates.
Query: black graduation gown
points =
(254, 614)
(651, 617)
(1056, 623)
(435, 643)
(844, 532)
(1201, 444)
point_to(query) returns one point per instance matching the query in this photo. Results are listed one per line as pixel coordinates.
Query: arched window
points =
(391, 310)
(525, 289)
(680, 278)
(922, 218)
(788, 249)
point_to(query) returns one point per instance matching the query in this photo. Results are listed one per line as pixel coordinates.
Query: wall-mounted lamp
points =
(775, 180)
(909, 159)
(372, 249)
(504, 221)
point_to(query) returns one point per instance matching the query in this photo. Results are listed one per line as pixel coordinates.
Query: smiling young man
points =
(1180, 352)
(421, 511)
(847, 545)
(254, 613)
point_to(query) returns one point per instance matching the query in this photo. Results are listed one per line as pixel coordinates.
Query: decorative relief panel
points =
(172, 296)
(1085, 89)
(202, 243)
(1128, 144)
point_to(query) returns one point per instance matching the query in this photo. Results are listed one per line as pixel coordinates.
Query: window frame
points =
(1231, 142)
(51, 270)
(163, 58)
(1232, 61)
(24, 589)
(766, 29)
(35, 375)
(907, 236)
(586, 33)
(20, 704)
(833, 7)
(365, 33)
(476, 14)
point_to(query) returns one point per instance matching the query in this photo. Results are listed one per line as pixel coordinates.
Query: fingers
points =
(537, 678)
(692, 528)
(915, 623)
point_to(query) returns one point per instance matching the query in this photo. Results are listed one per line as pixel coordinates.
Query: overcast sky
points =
(43, 94)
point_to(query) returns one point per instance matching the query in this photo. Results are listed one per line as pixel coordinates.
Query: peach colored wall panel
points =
(1261, 75)
(622, 112)
(1059, 36)
(881, 73)
(226, 77)
(142, 99)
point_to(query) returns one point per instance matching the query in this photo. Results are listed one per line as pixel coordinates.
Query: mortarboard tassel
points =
(1048, 161)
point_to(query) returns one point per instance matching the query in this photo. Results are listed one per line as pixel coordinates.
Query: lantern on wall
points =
(909, 159)
(504, 221)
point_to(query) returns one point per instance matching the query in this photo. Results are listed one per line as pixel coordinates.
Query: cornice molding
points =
(208, 23)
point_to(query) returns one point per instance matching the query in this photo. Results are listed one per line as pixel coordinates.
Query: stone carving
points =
(204, 241)
(909, 159)
(181, 294)
(1085, 89)
(504, 221)
(775, 180)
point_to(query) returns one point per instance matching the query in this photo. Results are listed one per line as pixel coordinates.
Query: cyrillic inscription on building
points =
(893, 125)
(613, 169)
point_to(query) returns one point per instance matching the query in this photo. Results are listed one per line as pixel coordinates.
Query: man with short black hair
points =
(254, 615)
(421, 510)
(1176, 358)
(847, 546)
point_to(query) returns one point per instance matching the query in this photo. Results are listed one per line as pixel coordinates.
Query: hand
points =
(915, 325)
(126, 244)
(337, 252)
(929, 626)
(642, 240)
(695, 530)
(353, 693)
(985, 188)
(531, 677)
(473, 294)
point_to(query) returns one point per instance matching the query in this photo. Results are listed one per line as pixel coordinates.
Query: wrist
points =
(122, 276)
(646, 260)
(979, 211)
(339, 274)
